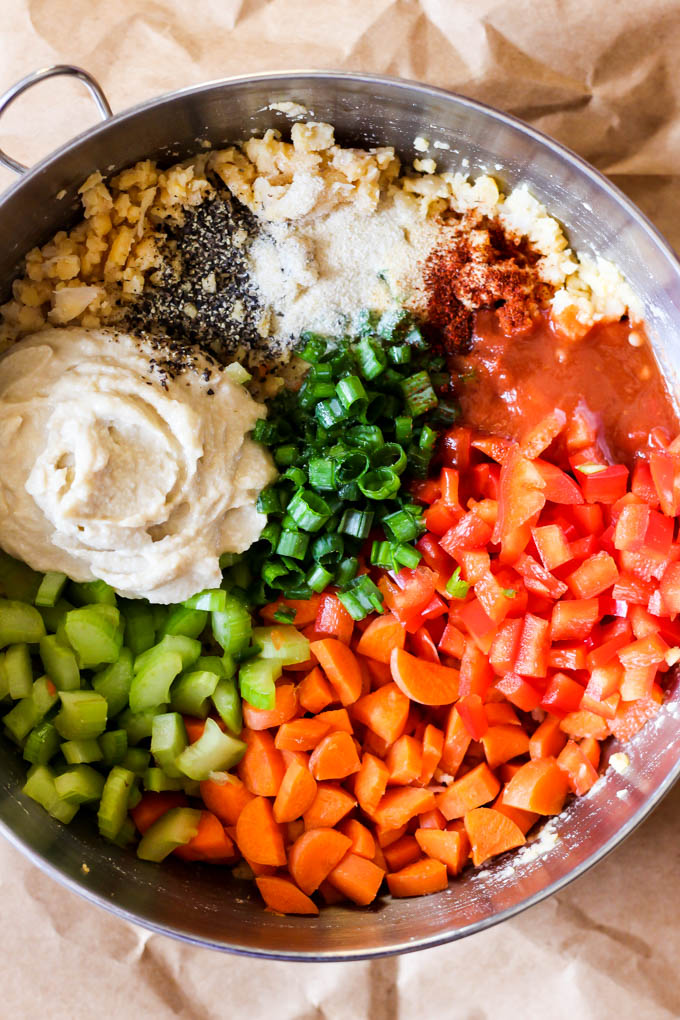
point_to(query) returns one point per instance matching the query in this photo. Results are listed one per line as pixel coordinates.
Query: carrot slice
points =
(370, 783)
(334, 757)
(363, 842)
(381, 637)
(400, 805)
(451, 848)
(314, 692)
(194, 728)
(296, 793)
(402, 852)
(539, 786)
(330, 805)
(548, 739)
(358, 878)
(522, 819)
(258, 835)
(491, 833)
(337, 719)
(261, 768)
(585, 724)
(427, 683)
(582, 775)
(314, 855)
(283, 896)
(211, 842)
(386, 837)
(340, 665)
(305, 609)
(501, 743)
(225, 799)
(405, 761)
(456, 742)
(153, 806)
(385, 711)
(301, 734)
(286, 706)
(419, 879)
(433, 747)
(476, 787)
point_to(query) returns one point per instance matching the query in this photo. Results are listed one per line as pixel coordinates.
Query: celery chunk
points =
(42, 743)
(214, 751)
(151, 686)
(176, 827)
(79, 785)
(191, 693)
(227, 701)
(19, 623)
(232, 626)
(168, 740)
(114, 745)
(50, 588)
(60, 663)
(137, 760)
(187, 648)
(113, 682)
(157, 781)
(82, 715)
(81, 752)
(95, 633)
(140, 629)
(87, 593)
(113, 806)
(186, 622)
(283, 643)
(256, 680)
(40, 786)
(212, 599)
(19, 671)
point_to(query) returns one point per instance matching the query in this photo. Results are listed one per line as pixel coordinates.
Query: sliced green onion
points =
(393, 456)
(319, 578)
(428, 438)
(347, 570)
(357, 523)
(371, 358)
(406, 555)
(380, 483)
(321, 473)
(418, 393)
(309, 510)
(351, 393)
(365, 437)
(315, 347)
(268, 502)
(330, 412)
(285, 455)
(293, 544)
(327, 549)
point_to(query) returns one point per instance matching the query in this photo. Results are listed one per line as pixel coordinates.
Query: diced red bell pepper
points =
(434, 608)
(434, 556)
(503, 651)
(471, 532)
(642, 483)
(471, 710)
(631, 527)
(476, 675)
(630, 588)
(562, 695)
(521, 494)
(426, 491)
(583, 548)
(409, 593)
(665, 471)
(608, 642)
(492, 596)
(581, 430)
(606, 708)
(594, 576)
(539, 438)
(495, 447)
(567, 657)
(552, 545)
(519, 691)
(632, 716)
(478, 624)
(605, 680)
(333, 620)
(474, 564)
(637, 683)
(647, 651)
(582, 774)
(643, 623)
(539, 580)
(452, 641)
(559, 486)
(669, 588)
(423, 646)
(573, 618)
(440, 517)
(534, 644)
(449, 480)
(486, 480)
(588, 518)
(605, 486)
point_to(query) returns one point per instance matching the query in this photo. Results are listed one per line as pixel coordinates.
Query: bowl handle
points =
(50, 72)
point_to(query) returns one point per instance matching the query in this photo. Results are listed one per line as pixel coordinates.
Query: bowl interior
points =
(207, 905)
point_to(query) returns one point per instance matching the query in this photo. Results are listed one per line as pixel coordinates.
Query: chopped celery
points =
(79, 785)
(54, 616)
(176, 827)
(114, 745)
(81, 752)
(21, 719)
(19, 623)
(157, 781)
(17, 580)
(50, 588)
(40, 786)
(216, 664)
(87, 593)
(187, 622)
(137, 725)
(19, 671)
(214, 751)
(137, 760)
(113, 806)
(168, 740)
(140, 630)
(160, 615)
(4, 678)
(191, 694)
(126, 834)
(187, 648)
(82, 715)
(44, 695)
(212, 599)
(95, 634)
(284, 643)
(232, 626)
(60, 663)
(135, 792)
(113, 682)
(42, 743)
(151, 686)
(228, 704)
(256, 681)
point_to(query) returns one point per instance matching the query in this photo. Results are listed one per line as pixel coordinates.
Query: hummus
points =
(109, 470)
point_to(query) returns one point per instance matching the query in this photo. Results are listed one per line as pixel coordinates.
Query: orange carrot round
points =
(539, 786)
(211, 842)
(258, 835)
(285, 708)
(296, 793)
(451, 848)
(358, 878)
(314, 855)
(225, 799)
(427, 683)
(419, 879)
(491, 833)
(334, 757)
(283, 896)
(340, 665)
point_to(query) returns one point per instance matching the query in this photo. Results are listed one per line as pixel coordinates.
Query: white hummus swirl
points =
(104, 473)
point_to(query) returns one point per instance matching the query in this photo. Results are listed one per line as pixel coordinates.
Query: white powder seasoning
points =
(318, 272)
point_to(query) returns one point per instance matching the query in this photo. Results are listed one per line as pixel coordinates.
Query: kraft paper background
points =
(600, 76)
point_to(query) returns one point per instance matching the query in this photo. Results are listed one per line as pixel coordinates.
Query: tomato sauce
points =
(509, 383)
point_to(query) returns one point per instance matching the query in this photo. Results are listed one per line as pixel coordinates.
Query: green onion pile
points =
(367, 414)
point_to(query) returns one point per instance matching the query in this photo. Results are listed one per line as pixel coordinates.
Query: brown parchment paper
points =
(600, 76)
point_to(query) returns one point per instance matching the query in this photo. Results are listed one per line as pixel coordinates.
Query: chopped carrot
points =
(477, 787)
(258, 834)
(301, 734)
(591, 748)
(330, 805)
(363, 842)
(211, 842)
(403, 851)
(381, 637)
(294, 830)
(314, 692)
(522, 819)
(333, 620)
(340, 665)
(433, 747)
(379, 672)
(398, 806)
(585, 724)
(305, 610)
(296, 793)
(153, 806)
(337, 719)
(491, 833)
(456, 743)
(334, 757)
(582, 775)
(226, 799)
(501, 713)
(283, 896)
(314, 855)
(405, 761)
(386, 837)
(385, 711)
(286, 707)
(194, 728)
(419, 879)
(501, 743)
(548, 739)
(539, 786)
(432, 819)
(451, 848)
(260, 869)
(261, 768)
(427, 683)
(371, 782)
(358, 878)
(330, 894)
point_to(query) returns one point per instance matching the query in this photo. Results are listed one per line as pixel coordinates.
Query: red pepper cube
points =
(534, 645)
(519, 691)
(492, 596)
(471, 532)
(452, 641)
(476, 675)
(478, 624)
(503, 651)
(552, 545)
(604, 486)
(473, 714)
(574, 618)
(455, 447)
(638, 682)
(594, 576)
(605, 680)
(631, 526)
(562, 695)
(665, 471)
(642, 484)
(646, 651)
(434, 556)
(559, 486)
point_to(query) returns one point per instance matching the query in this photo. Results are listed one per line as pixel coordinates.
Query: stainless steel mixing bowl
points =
(205, 905)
